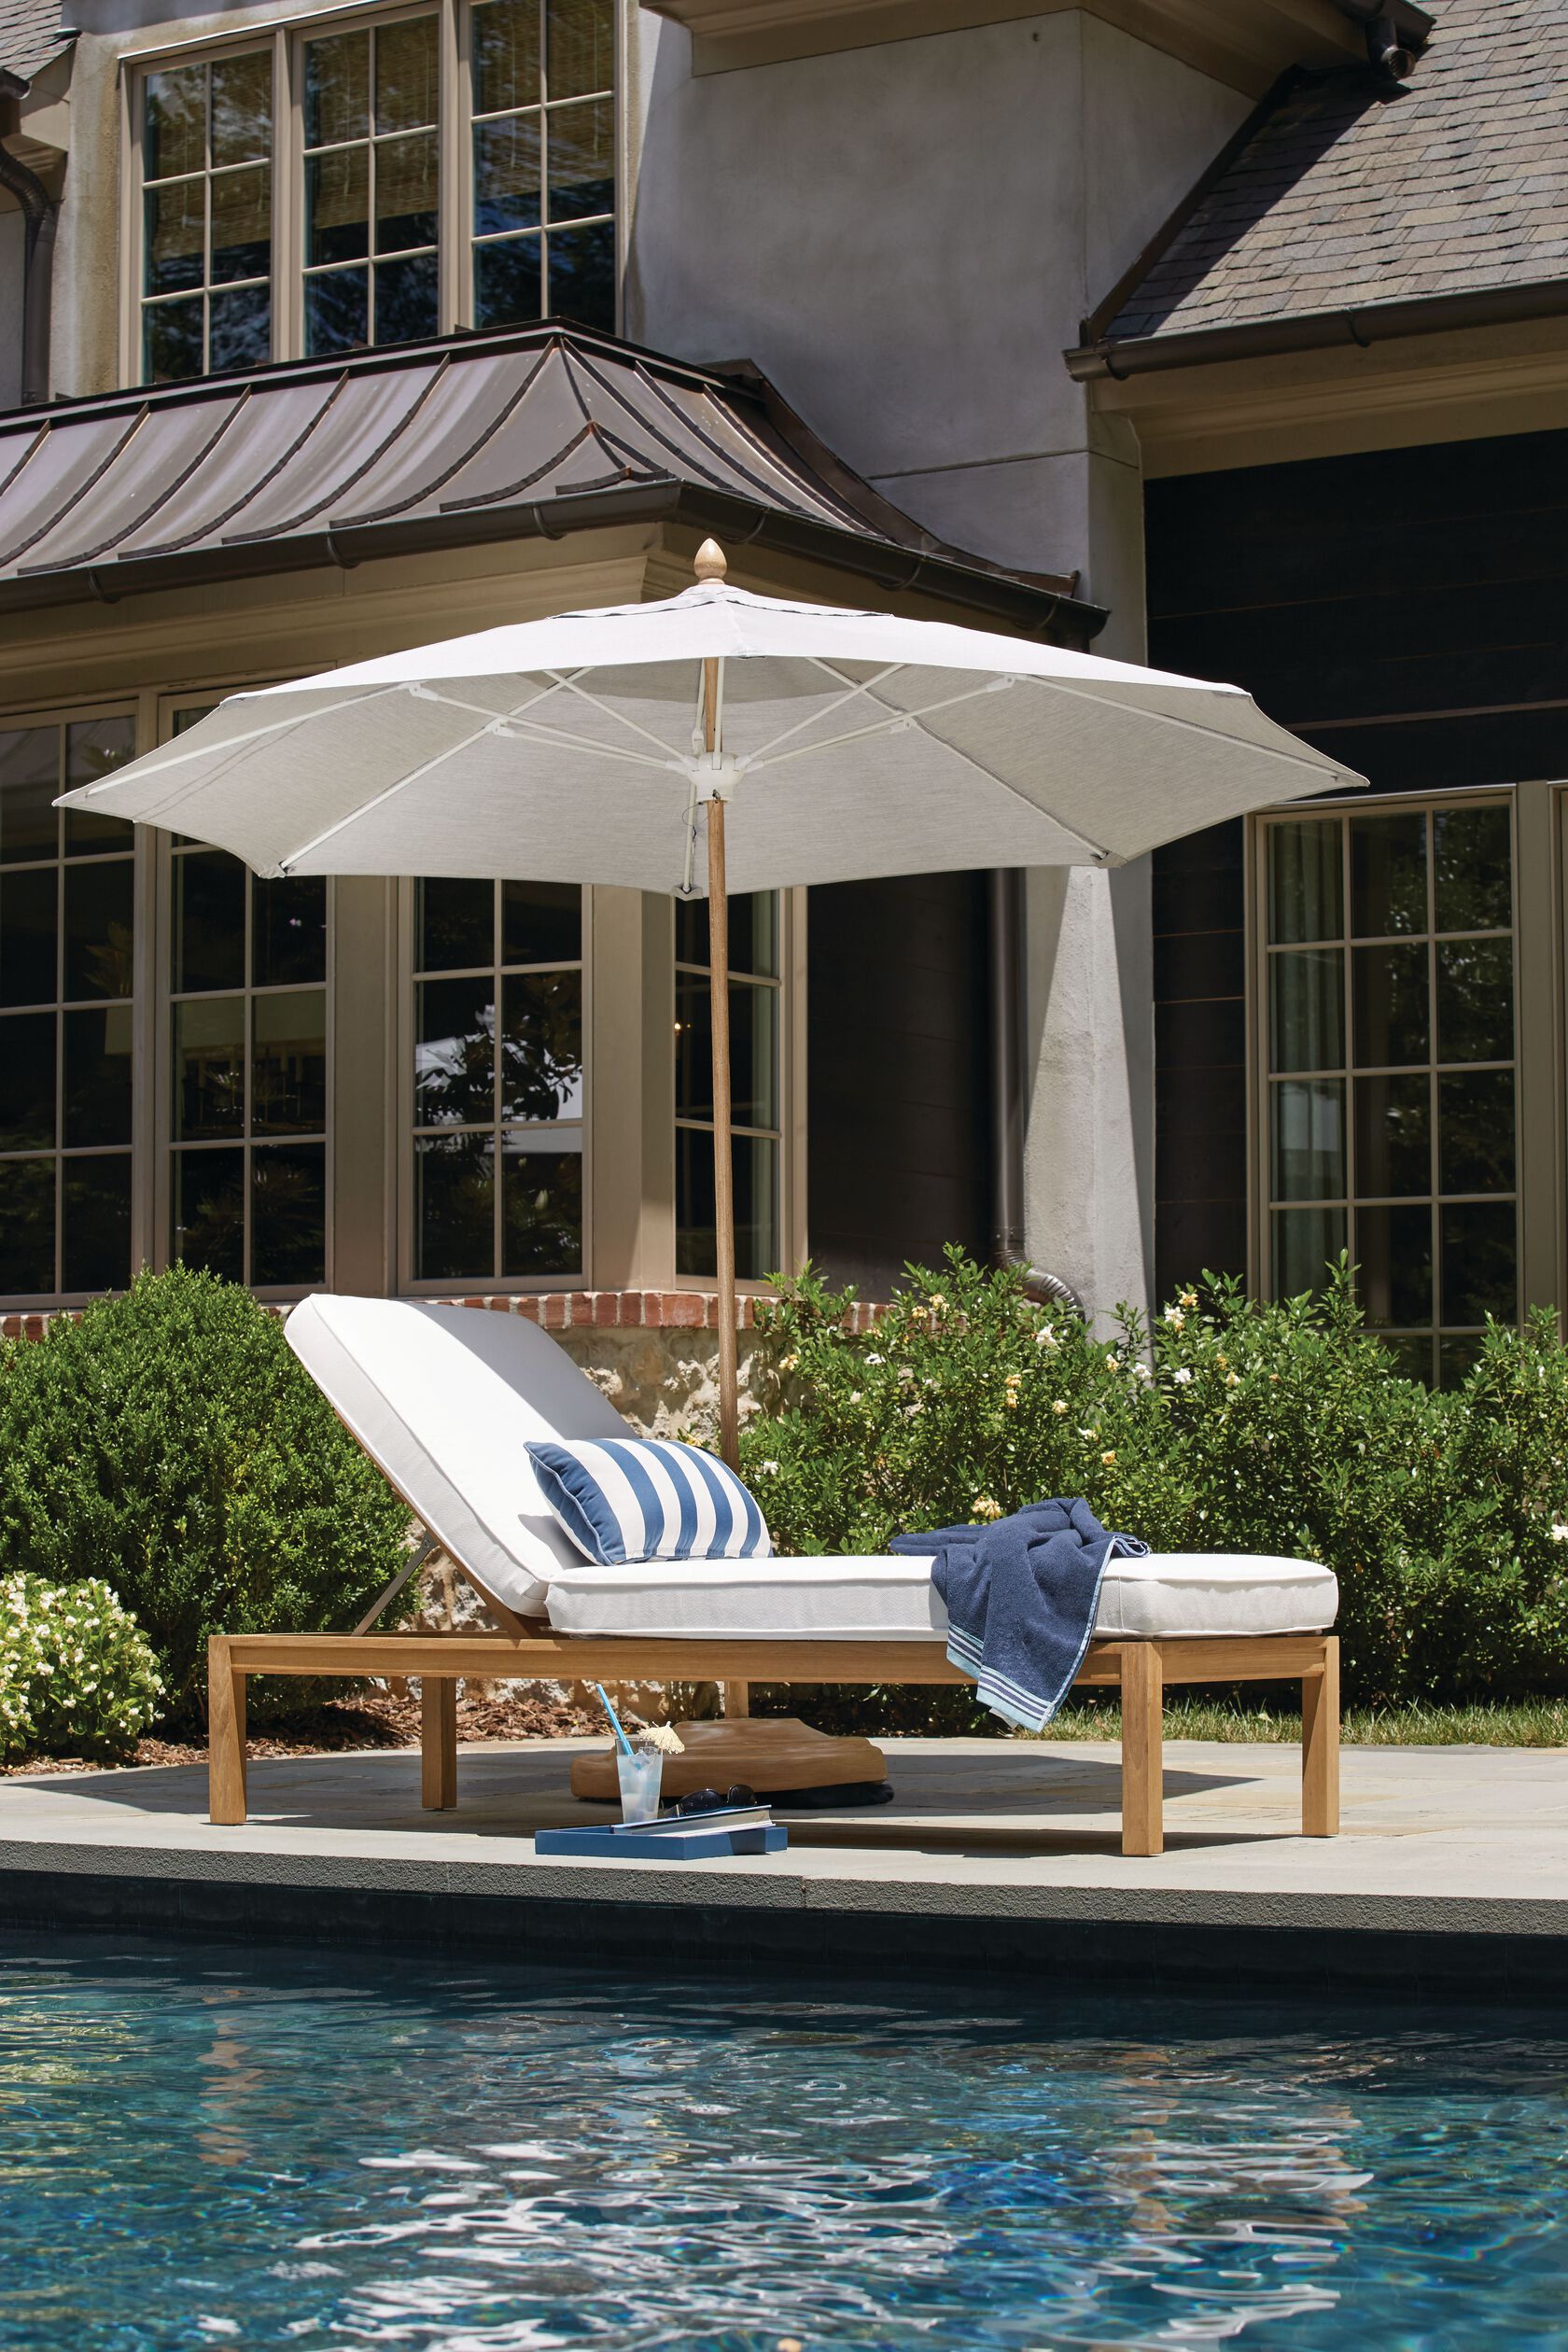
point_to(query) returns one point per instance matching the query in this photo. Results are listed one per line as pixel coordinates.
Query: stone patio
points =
(1451, 1874)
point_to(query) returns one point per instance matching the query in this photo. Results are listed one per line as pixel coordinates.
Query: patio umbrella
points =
(797, 743)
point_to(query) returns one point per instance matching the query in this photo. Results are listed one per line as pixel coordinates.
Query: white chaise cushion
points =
(1166, 1598)
(445, 1400)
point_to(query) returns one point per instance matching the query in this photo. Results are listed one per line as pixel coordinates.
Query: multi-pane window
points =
(498, 1080)
(249, 1070)
(371, 182)
(755, 1011)
(207, 216)
(67, 930)
(1391, 1054)
(544, 161)
(350, 154)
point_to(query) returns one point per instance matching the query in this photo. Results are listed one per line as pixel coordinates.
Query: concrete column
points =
(1088, 1162)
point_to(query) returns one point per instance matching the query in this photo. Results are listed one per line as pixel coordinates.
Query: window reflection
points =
(543, 161)
(498, 1079)
(1420, 1191)
(249, 1079)
(68, 936)
(755, 1039)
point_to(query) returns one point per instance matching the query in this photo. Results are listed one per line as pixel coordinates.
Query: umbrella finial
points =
(712, 563)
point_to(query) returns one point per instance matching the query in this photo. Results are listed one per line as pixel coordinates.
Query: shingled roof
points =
(1347, 193)
(30, 34)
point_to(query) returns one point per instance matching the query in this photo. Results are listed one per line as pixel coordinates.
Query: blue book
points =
(693, 1842)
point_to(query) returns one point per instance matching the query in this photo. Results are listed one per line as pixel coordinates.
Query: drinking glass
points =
(640, 1784)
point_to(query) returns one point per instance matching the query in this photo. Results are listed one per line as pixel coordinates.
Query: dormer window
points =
(335, 186)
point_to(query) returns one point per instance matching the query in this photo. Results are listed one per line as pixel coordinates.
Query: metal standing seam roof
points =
(473, 439)
(1348, 193)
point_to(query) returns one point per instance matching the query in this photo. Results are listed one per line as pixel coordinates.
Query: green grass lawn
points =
(1529, 1723)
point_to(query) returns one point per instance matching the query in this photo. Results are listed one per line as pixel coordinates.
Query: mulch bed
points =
(372, 1720)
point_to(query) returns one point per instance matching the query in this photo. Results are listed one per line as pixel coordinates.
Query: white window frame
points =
(287, 38)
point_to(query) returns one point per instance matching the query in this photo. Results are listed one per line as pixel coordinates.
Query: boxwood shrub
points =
(169, 1443)
(1236, 1425)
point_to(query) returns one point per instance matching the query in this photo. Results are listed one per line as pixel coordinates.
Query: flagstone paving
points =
(1436, 1840)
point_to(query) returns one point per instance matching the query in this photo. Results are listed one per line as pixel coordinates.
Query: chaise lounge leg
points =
(438, 1743)
(226, 1737)
(1320, 1746)
(1143, 1749)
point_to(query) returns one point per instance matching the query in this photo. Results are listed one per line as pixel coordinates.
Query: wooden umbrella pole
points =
(723, 1169)
(711, 565)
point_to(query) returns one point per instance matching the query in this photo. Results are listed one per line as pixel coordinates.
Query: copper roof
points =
(474, 438)
(1348, 193)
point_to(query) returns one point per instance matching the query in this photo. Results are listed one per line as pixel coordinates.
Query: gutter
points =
(1319, 330)
(41, 212)
(1056, 618)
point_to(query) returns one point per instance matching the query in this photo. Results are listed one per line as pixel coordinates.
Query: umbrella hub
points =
(714, 776)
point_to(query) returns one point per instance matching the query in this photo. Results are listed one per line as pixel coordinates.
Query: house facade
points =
(1201, 333)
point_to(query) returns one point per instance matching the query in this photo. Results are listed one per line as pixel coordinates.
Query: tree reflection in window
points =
(498, 1080)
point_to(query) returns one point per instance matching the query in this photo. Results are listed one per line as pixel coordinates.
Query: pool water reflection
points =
(202, 2147)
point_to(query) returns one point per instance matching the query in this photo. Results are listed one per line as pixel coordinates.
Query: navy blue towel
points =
(1021, 1596)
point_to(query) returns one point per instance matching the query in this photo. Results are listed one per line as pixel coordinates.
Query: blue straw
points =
(614, 1721)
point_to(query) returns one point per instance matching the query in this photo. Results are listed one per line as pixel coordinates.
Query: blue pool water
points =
(199, 2148)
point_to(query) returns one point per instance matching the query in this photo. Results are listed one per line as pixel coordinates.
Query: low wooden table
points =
(1144, 1670)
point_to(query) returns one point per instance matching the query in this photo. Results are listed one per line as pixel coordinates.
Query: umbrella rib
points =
(913, 718)
(285, 865)
(608, 711)
(1169, 718)
(882, 726)
(535, 730)
(865, 687)
(493, 718)
(235, 743)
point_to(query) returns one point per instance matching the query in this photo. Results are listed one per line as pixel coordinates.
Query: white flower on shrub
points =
(1046, 1339)
(76, 1669)
(768, 1469)
(1175, 1318)
(1559, 1531)
(1182, 1377)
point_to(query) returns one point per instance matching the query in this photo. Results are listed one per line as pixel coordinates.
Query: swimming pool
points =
(198, 2147)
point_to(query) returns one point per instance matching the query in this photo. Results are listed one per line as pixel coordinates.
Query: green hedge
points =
(1237, 1425)
(170, 1443)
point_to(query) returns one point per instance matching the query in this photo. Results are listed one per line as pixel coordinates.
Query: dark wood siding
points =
(899, 1159)
(1407, 608)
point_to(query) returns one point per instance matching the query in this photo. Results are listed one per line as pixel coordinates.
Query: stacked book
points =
(672, 1837)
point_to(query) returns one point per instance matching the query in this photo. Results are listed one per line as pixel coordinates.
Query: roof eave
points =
(1009, 601)
(1362, 326)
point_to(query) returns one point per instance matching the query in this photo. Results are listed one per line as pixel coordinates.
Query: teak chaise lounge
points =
(444, 1399)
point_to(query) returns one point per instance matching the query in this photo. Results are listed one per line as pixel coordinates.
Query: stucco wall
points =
(906, 237)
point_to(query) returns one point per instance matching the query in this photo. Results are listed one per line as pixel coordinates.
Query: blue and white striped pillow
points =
(626, 1499)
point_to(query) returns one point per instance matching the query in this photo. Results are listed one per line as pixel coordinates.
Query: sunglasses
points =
(706, 1800)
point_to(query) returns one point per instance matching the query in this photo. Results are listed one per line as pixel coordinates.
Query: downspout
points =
(1009, 1086)
(40, 211)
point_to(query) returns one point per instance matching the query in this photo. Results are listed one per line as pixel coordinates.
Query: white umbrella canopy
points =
(851, 744)
(806, 743)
